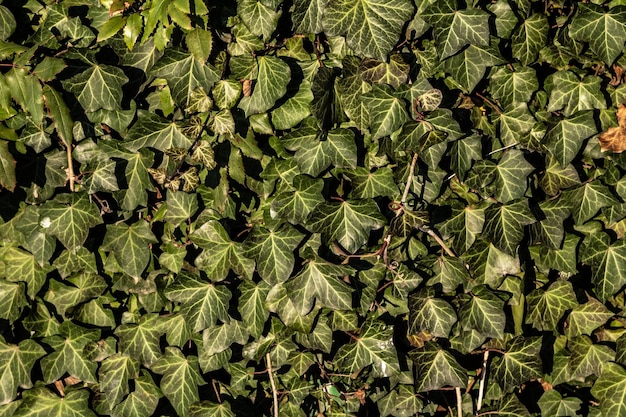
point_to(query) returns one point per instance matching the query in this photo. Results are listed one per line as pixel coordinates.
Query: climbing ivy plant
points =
(312, 207)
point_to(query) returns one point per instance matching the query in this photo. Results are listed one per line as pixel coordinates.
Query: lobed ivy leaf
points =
(98, 87)
(604, 30)
(519, 363)
(436, 368)
(588, 358)
(17, 363)
(130, 246)
(40, 402)
(547, 307)
(552, 403)
(430, 315)
(141, 340)
(504, 224)
(609, 389)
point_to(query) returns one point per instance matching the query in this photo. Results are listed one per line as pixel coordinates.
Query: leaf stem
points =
(268, 363)
(493, 105)
(439, 240)
(70, 165)
(459, 402)
(483, 377)
(409, 180)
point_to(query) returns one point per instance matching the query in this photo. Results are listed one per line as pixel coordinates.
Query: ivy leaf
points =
(605, 30)
(319, 280)
(114, 374)
(41, 402)
(587, 358)
(572, 94)
(98, 87)
(585, 318)
(450, 272)
(350, 90)
(513, 85)
(547, 307)
(609, 388)
(371, 27)
(606, 261)
(295, 109)
(307, 15)
(295, 206)
(566, 138)
(402, 401)
(141, 340)
(511, 167)
(586, 200)
(484, 312)
(220, 254)
(395, 73)
(387, 112)
(68, 355)
(315, 151)
(17, 265)
(557, 177)
(209, 409)
(469, 66)
(184, 73)
(27, 92)
(252, 306)
(153, 131)
(203, 303)
(69, 219)
(12, 300)
(348, 222)
(259, 18)
(272, 76)
(529, 38)
(515, 124)
(552, 403)
(430, 315)
(142, 402)
(181, 379)
(436, 368)
(180, 207)
(550, 229)
(455, 29)
(504, 224)
(520, 363)
(273, 251)
(464, 225)
(370, 347)
(372, 184)
(17, 363)
(130, 245)
(489, 265)
(84, 286)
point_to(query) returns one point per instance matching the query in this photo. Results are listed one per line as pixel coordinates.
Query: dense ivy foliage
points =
(312, 207)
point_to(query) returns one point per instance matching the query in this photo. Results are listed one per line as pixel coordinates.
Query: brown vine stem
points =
(491, 103)
(483, 377)
(459, 402)
(268, 363)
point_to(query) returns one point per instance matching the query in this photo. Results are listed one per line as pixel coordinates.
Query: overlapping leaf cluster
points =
(324, 207)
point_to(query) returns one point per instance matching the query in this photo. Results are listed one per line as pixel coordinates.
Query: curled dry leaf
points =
(614, 139)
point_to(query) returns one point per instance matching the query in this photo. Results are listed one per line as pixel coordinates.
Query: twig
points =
(491, 103)
(409, 180)
(440, 241)
(459, 402)
(268, 363)
(483, 377)
(216, 391)
(70, 165)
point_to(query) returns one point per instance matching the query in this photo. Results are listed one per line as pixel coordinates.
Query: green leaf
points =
(604, 30)
(573, 94)
(295, 109)
(371, 27)
(130, 245)
(430, 315)
(200, 43)
(606, 260)
(504, 224)
(515, 124)
(203, 303)
(320, 280)
(60, 114)
(273, 251)
(450, 272)
(588, 358)
(519, 363)
(454, 28)
(67, 355)
(295, 206)
(41, 402)
(271, 75)
(610, 389)
(218, 338)
(184, 73)
(220, 254)
(252, 306)
(489, 265)
(529, 38)
(552, 403)
(513, 85)
(463, 225)
(27, 92)
(153, 131)
(142, 402)
(549, 229)
(8, 23)
(181, 378)
(17, 265)
(547, 307)
(436, 368)
(84, 286)
(348, 222)
(395, 73)
(402, 401)
(373, 184)
(307, 15)
(259, 18)
(98, 87)
(469, 66)
(7, 167)
(114, 374)
(12, 300)
(69, 219)
(484, 312)
(585, 318)
(316, 151)
(350, 89)
(387, 112)
(209, 409)
(586, 200)
(510, 169)
(566, 138)
(141, 340)
(180, 207)
(372, 346)
(17, 363)
(556, 178)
